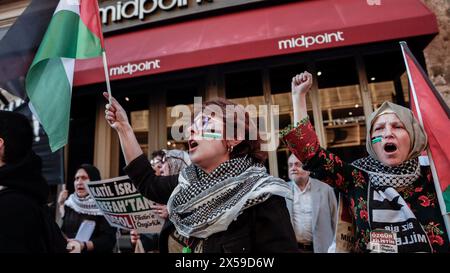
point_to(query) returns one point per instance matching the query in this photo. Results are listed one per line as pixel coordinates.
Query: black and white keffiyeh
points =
(385, 176)
(85, 205)
(203, 204)
(387, 209)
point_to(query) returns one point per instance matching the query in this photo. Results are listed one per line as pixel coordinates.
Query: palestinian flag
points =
(434, 114)
(74, 33)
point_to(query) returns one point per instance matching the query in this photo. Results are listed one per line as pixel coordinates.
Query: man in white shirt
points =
(313, 210)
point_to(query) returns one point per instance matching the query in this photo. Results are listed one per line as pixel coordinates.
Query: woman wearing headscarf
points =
(388, 192)
(156, 160)
(81, 207)
(224, 201)
(172, 163)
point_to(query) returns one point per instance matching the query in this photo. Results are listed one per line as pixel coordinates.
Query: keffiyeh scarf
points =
(85, 205)
(203, 204)
(384, 176)
(386, 207)
(389, 211)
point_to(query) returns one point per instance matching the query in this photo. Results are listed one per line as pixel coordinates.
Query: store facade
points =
(245, 51)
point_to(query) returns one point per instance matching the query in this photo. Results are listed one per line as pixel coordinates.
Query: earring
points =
(230, 149)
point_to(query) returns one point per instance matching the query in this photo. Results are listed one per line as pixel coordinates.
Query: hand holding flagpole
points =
(108, 84)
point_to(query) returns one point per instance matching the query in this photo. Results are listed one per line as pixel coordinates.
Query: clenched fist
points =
(301, 83)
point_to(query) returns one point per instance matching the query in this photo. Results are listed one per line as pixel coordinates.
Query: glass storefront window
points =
(139, 123)
(182, 94)
(405, 87)
(136, 106)
(280, 84)
(387, 78)
(246, 88)
(342, 107)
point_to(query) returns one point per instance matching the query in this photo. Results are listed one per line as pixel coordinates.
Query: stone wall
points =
(437, 54)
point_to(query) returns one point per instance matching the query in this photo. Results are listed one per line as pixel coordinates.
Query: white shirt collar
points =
(307, 188)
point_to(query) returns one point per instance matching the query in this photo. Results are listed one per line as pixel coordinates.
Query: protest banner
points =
(123, 206)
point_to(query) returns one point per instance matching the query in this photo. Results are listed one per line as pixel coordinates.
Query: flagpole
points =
(108, 84)
(437, 185)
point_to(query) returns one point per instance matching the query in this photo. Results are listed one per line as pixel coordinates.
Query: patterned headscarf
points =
(416, 132)
(406, 173)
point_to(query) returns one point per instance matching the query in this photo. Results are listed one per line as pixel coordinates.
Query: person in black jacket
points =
(81, 207)
(225, 201)
(26, 222)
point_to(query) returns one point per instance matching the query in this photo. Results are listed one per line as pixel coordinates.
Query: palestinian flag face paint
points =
(376, 139)
(211, 135)
(207, 127)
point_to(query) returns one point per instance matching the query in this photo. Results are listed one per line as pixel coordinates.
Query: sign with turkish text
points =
(123, 206)
(383, 241)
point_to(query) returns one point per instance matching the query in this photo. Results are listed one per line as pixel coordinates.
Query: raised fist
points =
(301, 83)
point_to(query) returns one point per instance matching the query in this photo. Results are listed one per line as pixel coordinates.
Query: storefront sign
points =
(307, 41)
(131, 68)
(116, 15)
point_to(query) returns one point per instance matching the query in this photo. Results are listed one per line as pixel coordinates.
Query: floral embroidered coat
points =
(353, 183)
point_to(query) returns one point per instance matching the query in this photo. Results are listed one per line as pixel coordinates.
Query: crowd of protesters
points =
(218, 197)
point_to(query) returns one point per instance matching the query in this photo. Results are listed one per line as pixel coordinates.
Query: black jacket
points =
(265, 227)
(27, 225)
(104, 236)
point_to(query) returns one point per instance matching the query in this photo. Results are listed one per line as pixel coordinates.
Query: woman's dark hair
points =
(247, 147)
(159, 153)
(16, 131)
(92, 171)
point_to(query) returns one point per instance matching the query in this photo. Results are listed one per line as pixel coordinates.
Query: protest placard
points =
(123, 206)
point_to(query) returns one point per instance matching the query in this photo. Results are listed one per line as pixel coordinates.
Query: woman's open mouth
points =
(192, 145)
(390, 148)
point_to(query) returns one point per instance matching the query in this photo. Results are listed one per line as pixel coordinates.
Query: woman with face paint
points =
(390, 195)
(224, 201)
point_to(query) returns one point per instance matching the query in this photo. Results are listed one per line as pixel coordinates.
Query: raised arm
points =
(118, 120)
(302, 141)
(138, 168)
(155, 188)
(300, 87)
